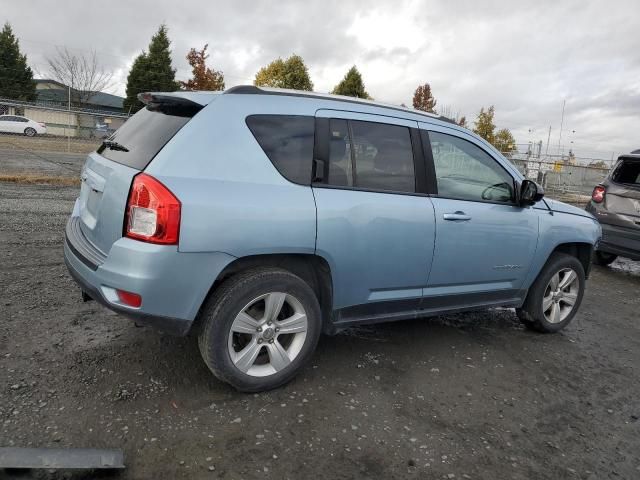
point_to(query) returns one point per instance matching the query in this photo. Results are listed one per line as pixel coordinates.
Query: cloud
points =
(523, 57)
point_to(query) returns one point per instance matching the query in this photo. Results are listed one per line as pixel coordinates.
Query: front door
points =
(485, 242)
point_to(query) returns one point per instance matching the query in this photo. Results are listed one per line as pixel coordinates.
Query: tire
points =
(548, 291)
(30, 132)
(237, 307)
(603, 258)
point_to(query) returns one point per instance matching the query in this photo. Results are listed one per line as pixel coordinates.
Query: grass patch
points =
(30, 179)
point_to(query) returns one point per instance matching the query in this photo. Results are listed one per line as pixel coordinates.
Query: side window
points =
(340, 163)
(370, 155)
(384, 157)
(465, 171)
(288, 142)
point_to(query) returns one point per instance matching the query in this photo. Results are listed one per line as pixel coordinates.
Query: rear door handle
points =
(456, 216)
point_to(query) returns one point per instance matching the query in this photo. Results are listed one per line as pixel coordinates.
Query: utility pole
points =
(561, 124)
(69, 120)
(546, 152)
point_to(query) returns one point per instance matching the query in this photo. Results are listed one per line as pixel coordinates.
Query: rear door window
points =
(340, 162)
(370, 156)
(383, 156)
(628, 172)
(141, 137)
(288, 142)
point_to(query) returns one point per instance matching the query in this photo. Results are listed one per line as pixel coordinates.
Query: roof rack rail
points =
(253, 90)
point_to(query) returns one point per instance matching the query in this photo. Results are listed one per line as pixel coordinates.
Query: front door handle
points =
(456, 216)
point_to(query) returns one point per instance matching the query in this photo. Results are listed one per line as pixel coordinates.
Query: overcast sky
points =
(523, 57)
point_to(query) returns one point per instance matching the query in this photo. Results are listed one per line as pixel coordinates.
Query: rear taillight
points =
(153, 212)
(598, 194)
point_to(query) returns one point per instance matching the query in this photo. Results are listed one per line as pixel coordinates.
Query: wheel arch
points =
(313, 269)
(581, 250)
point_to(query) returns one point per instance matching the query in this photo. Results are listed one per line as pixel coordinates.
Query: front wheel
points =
(259, 329)
(555, 296)
(30, 132)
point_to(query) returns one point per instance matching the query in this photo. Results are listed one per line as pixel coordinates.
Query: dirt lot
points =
(458, 397)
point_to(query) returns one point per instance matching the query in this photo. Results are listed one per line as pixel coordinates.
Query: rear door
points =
(375, 223)
(108, 172)
(622, 203)
(623, 193)
(485, 242)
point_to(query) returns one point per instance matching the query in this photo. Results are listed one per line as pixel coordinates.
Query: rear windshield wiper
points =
(113, 145)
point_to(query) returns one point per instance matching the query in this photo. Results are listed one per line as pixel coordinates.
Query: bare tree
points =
(83, 73)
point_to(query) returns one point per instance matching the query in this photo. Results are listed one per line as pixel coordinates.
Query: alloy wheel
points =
(561, 295)
(268, 334)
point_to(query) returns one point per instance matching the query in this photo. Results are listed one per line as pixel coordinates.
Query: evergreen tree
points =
(423, 99)
(16, 78)
(290, 73)
(351, 85)
(151, 72)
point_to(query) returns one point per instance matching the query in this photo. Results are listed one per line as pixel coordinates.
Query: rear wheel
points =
(30, 132)
(259, 329)
(603, 258)
(555, 296)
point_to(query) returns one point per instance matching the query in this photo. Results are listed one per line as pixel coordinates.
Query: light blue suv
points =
(260, 218)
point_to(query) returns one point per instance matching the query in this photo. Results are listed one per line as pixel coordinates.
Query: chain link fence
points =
(58, 151)
(569, 179)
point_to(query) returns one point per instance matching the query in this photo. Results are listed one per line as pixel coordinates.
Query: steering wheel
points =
(486, 193)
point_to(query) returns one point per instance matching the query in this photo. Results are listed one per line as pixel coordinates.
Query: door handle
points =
(456, 216)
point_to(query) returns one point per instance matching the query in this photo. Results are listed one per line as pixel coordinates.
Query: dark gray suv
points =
(616, 204)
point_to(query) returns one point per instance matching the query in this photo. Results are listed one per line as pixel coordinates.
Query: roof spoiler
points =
(169, 104)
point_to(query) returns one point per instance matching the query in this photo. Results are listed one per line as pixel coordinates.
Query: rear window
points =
(143, 136)
(627, 172)
(288, 142)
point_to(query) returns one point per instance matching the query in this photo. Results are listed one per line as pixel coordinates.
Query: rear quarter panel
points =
(233, 198)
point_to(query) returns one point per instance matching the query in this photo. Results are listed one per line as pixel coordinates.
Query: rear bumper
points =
(620, 241)
(172, 284)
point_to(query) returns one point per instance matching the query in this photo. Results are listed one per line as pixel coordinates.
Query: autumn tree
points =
(462, 121)
(16, 78)
(504, 141)
(152, 71)
(484, 125)
(81, 72)
(203, 77)
(423, 99)
(351, 85)
(291, 73)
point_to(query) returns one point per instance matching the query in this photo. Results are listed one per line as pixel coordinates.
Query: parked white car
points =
(17, 124)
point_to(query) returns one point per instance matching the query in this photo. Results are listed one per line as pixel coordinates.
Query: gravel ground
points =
(18, 161)
(456, 397)
(48, 143)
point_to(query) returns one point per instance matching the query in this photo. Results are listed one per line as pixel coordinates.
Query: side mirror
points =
(530, 193)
